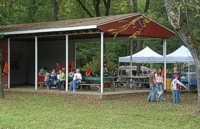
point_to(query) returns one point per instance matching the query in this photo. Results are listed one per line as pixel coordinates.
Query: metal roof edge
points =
(50, 30)
(117, 19)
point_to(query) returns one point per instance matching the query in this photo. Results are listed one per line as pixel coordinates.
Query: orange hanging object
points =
(87, 74)
(5, 68)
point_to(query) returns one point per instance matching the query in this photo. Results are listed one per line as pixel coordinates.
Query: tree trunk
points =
(135, 5)
(146, 6)
(55, 10)
(96, 4)
(107, 6)
(184, 33)
(2, 96)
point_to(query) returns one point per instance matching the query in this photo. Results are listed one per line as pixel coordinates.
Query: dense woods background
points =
(29, 11)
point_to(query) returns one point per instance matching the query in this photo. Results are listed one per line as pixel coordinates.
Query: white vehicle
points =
(189, 73)
(126, 70)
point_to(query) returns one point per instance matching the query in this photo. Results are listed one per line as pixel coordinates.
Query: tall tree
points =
(2, 96)
(107, 6)
(55, 10)
(183, 16)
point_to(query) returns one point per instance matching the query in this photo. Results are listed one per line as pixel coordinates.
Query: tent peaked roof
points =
(147, 52)
(182, 54)
(135, 24)
(146, 55)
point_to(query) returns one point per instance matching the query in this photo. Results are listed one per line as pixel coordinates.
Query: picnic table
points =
(136, 80)
(95, 81)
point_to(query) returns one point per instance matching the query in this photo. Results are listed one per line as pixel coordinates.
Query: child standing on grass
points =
(175, 85)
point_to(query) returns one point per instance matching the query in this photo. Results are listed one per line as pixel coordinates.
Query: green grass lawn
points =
(51, 111)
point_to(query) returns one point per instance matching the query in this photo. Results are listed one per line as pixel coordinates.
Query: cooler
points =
(168, 83)
(40, 78)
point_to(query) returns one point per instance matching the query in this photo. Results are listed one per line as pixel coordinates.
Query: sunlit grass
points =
(38, 111)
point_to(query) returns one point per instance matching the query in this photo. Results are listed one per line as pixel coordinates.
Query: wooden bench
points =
(117, 83)
(135, 83)
(89, 84)
(41, 84)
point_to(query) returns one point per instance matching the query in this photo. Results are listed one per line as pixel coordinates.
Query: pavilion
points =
(27, 47)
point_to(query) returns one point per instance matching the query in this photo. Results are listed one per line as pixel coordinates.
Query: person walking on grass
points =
(175, 85)
(159, 82)
(152, 84)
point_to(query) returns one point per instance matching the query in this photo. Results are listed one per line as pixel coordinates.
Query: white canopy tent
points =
(181, 55)
(144, 56)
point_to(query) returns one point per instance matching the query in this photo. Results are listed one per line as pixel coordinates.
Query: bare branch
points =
(84, 8)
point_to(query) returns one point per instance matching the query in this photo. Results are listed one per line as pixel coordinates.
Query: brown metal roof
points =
(64, 23)
(135, 24)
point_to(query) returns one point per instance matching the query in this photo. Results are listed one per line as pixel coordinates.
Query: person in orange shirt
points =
(88, 72)
(58, 67)
(162, 71)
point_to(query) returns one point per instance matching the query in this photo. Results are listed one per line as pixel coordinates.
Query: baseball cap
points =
(176, 75)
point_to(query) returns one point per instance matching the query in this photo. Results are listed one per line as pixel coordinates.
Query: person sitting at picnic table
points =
(47, 78)
(76, 79)
(105, 70)
(53, 77)
(60, 78)
(72, 72)
(88, 72)
(42, 71)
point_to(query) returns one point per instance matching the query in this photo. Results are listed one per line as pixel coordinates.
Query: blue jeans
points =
(52, 81)
(73, 85)
(58, 83)
(175, 96)
(48, 82)
(159, 88)
(152, 93)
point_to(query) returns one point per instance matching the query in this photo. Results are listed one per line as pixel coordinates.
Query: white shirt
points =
(77, 76)
(174, 82)
(58, 76)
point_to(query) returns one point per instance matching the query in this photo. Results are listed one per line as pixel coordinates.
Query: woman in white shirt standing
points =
(77, 79)
(159, 81)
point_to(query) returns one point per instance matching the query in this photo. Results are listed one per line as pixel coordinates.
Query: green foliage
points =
(44, 111)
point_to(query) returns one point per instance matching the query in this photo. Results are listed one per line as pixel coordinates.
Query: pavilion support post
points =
(165, 62)
(8, 63)
(67, 63)
(131, 63)
(102, 58)
(36, 62)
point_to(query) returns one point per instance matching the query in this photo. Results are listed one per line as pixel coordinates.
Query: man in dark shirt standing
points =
(152, 84)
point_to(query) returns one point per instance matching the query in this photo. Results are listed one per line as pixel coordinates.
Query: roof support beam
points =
(36, 62)
(102, 55)
(8, 63)
(164, 56)
(67, 63)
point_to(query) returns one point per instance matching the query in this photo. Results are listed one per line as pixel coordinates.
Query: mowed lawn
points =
(53, 111)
